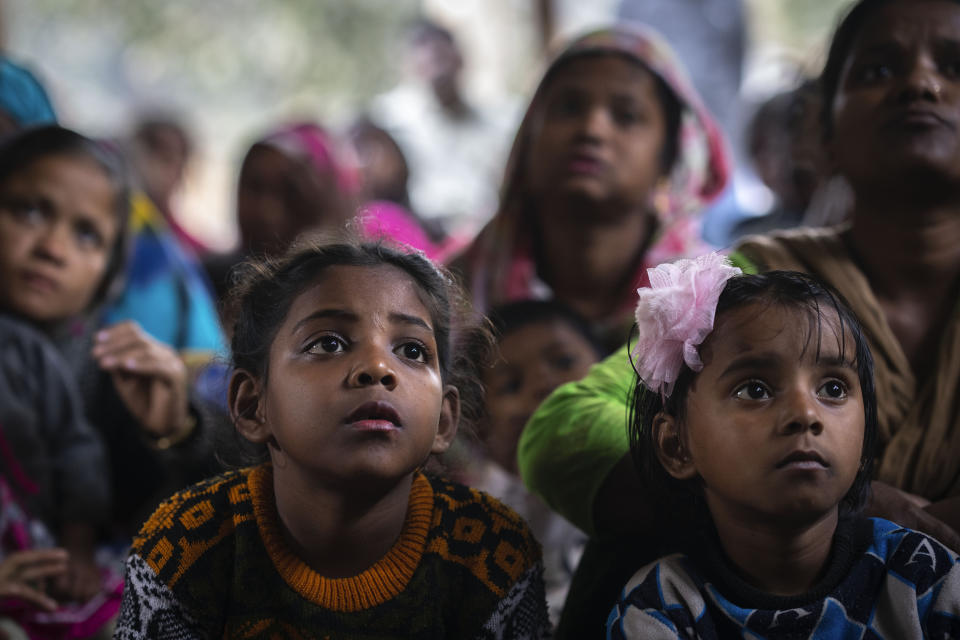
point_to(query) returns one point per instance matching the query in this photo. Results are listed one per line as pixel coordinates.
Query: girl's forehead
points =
(362, 289)
(80, 182)
(798, 328)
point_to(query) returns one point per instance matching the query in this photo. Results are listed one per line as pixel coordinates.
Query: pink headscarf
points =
(381, 219)
(311, 142)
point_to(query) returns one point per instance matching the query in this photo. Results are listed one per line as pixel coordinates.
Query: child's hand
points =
(907, 510)
(20, 573)
(81, 580)
(149, 376)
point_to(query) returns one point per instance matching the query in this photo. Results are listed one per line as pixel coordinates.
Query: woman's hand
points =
(908, 510)
(149, 376)
(21, 572)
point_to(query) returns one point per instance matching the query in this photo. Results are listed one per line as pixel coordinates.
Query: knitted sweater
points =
(881, 582)
(212, 563)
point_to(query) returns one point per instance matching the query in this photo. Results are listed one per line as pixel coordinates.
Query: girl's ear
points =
(671, 449)
(245, 398)
(449, 419)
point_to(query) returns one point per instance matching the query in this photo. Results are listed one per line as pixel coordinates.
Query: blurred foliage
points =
(796, 24)
(268, 53)
(811, 16)
(229, 69)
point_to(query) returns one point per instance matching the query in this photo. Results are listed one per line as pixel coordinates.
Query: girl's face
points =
(772, 428)
(279, 198)
(58, 226)
(897, 107)
(599, 134)
(534, 360)
(354, 391)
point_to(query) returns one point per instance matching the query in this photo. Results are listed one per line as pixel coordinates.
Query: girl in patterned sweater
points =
(349, 371)
(754, 427)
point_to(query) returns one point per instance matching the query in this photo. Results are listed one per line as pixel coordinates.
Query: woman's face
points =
(896, 113)
(278, 198)
(599, 134)
(58, 225)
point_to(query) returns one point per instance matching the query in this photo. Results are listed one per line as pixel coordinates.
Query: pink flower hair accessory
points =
(675, 315)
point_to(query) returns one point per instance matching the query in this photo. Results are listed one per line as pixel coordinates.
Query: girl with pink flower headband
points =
(754, 419)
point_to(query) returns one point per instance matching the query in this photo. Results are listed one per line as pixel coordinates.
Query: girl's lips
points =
(374, 416)
(376, 426)
(39, 281)
(803, 460)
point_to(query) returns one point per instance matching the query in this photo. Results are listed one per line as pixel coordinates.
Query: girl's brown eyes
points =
(833, 389)
(752, 390)
(327, 344)
(24, 211)
(413, 351)
(88, 236)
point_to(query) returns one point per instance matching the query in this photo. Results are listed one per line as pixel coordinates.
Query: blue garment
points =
(166, 290)
(882, 582)
(22, 96)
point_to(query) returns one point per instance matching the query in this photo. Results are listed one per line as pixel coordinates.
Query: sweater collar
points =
(375, 585)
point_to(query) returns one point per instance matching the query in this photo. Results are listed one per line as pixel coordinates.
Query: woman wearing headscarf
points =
(298, 179)
(613, 161)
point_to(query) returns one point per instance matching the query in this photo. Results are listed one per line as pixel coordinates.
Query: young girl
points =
(63, 216)
(754, 420)
(347, 369)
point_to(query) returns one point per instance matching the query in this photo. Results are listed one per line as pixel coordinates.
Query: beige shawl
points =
(919, 427)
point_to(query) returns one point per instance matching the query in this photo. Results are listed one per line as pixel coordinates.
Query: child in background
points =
(59, 229)
(63, 212)
(349, 371)
(754, 422)
(543, 344)
(386, 209)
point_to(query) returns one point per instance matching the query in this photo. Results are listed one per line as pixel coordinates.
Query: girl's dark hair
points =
(787, 289)
(512, 316)
(266, 289)
(844, 38)
(669, 102)
(25, 147)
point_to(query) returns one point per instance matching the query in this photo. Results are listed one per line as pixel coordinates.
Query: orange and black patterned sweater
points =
(212, 563)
